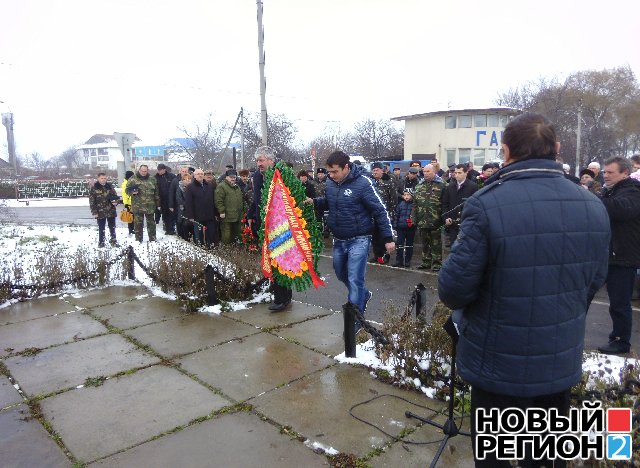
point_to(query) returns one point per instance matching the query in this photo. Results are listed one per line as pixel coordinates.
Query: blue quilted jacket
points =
(353, 204)
(531, 254)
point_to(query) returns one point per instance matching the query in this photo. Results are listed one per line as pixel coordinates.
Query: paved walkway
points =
(117, 378)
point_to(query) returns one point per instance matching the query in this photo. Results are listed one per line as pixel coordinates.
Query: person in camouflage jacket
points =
(387, 191)
(102, 202)
(427, 211)
(229, 201)
(145, 200)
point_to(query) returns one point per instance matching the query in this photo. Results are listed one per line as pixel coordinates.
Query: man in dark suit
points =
(459, 189)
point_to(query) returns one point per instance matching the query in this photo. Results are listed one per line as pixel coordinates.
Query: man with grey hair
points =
(265, 157)
(621, 198)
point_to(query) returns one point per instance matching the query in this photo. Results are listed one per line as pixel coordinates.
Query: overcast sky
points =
(73, 68)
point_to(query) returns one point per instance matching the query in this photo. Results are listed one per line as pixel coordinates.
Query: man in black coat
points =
(459, 189)
(621, 198)
(164, 177)
(531, 254)
(199, 206)
(265, 157)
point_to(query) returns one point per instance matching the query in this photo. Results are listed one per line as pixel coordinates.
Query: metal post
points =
(421, 297)
(578, 138)
(209, 276)
(349, 317)
(7, 121)
(131, 271)
(263, 83)
(241, 138)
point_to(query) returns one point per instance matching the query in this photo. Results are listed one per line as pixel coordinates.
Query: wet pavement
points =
(114, 377)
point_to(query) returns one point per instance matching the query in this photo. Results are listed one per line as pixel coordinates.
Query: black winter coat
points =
(452, 197)
(531, 254)
(622, 202)
(164, 187)
(199, 202)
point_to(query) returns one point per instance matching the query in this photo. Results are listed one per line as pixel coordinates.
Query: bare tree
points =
(281, 133)
(208, 142)
(378, 140)
(607, 100)
(70, 158)
(36, 162)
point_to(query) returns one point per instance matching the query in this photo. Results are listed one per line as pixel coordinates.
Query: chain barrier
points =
(57, 284)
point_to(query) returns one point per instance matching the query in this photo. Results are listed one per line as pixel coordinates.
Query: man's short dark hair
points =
(635, 158)
(486, 166)
(530, 135)
(338, 158)
(101, 174)
(143, 165)
(303, 173)
(624, 164)
(464, 167)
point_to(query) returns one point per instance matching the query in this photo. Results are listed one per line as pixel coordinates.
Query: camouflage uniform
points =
(427, 211)
(145, 200)
(102, 208)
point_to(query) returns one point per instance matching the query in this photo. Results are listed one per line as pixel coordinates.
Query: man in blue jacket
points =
(353, 203)
(531, 254)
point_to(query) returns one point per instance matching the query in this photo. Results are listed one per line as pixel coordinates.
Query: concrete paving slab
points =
(25, 443)
(322, 334)
(95, 422)
(256, 364)
(69, 365)
(34, 308)
(457, 453)
(8, 394)
(260, 316)
(109, 295)
(47, 331)
(190, 333)
(139, 312)
(318, 405)
(239, 439)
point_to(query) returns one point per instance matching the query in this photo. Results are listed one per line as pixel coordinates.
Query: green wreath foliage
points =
(298, 193)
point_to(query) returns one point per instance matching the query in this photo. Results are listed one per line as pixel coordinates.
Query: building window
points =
(480, 120)
(478, 157)
(86, 152)
(103, 151)
(450, 121)
(465, 121)
(504, 119)
(492, 120)
(464, 154)
(93, 152)
(451, 156)
(103, 158)
(492, 154)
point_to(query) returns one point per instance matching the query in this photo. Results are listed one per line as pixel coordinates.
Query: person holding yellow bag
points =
(126, 200)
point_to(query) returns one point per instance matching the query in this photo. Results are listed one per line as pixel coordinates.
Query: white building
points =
(100, 151)
(456, 136)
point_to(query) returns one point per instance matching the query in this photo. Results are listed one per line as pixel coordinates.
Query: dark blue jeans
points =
(112, 228)
(350, 264)
(620, 282)
(405, 246)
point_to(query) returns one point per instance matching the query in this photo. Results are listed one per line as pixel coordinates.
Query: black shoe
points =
(373, 260)
(398, 265)
(423, 267)
(170, 233)
(435, 269)
(278, 307)
(100, 245)
(407, 265)
(615, 347)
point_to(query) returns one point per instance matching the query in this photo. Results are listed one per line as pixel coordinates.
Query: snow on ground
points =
(600, 366)
(46, 202)
(22, 246)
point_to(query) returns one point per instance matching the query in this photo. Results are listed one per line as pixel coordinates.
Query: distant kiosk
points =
(125, 142)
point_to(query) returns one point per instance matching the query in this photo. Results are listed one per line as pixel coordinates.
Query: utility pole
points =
(241, 138)
(7, 121)
(578, 138)
(263, 83)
